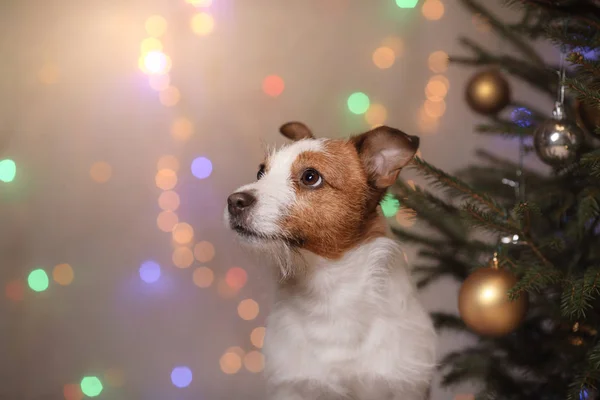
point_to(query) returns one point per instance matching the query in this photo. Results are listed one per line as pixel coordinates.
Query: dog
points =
(346, 323)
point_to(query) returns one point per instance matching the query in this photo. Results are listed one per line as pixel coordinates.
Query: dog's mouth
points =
(248, 233)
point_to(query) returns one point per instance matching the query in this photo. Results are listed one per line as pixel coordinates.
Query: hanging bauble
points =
(484, 304)
(557, 140)
(588, 118)
(488, 92)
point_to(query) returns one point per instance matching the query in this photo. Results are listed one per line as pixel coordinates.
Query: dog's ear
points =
(384, 151)
(296, 131)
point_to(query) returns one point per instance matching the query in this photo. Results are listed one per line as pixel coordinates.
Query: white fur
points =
(353, 330)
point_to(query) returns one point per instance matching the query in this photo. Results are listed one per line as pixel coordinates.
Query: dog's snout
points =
(239, 202)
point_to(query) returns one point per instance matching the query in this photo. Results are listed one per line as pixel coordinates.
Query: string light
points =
(389, 205)
(203, 277)
(273, 85)
(201, 167)
(38, 280)
(181, 377)
(182, 257)
(72, 391)
(202, 24)
(157, 62)
(376, 115)
(168, 162)
(182, 129)
(150, 271)
(204, 251)
(384, 57)
(236, 277)
(433, 10)
(101, 172)
(168, 201)
(15, 290)
(257, 337)
(438, 61)
(230, 362)
(358, 103)
(407, 3)
(170, 96)
(395, 43)
(8, 170)
(91, 386)
(166, 221)
(183, 233)
(166, 179)
(63, 274)
(159, 82)
(156, 26)
(434, 109)
(248, 309)
(254, 361)
(150, 44)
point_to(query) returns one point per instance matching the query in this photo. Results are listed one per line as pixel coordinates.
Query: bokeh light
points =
(167, 220)
(406, 217)
(376, 115)
(156, 62)
(8, 170)
(168, 200)
(151, 44)
(169, 97)
(201, 167)
(236, 350)
(101, 172)
(203, 277)
(254, 361)
(358, 103)
(230, 362)
(150, 271)
(438, 61)
(159, 82)
(156, 26)
(181, 377)
(91, 386)
(168, 162)
(202, 23)
(407, 3)
(166, 179)
(225, 291)
(522, 116)
(257, 337)
(395, 43)
(435, 90)
(38, 280)
(442, 79)
(389, 205)
(49, 74)
(200, 3)
(15, 290)
(182, 257)
(63, 274)
(72, 391)
(433, 10)
(273, 85)
(183, 233)
(384, 57)
(182, 129)
(248, 309)
(434, 109)
(114, 377)
(236, 277)
(204, 251)
(426, 123)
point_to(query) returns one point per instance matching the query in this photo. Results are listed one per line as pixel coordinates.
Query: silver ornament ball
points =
(557, 141)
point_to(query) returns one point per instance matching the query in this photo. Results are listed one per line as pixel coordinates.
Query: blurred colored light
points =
(376, 115)
(257, 337)
(63, 274)
(101, 172)
(389, 205)
(156, 62)
(522, 117)
(8, 170)
(358, 103)
(150, 271)
(168, 200)
(182, 257)
(433, 9)
(434, 109)
(114, 377)
(236, 350)
(273, 85)
(159, 82)
(435, 90)
(395, 43)
(15, 290)
(38, 280)
(254, 361)
(72, 391)
(151, 44)
(181, 377)
(438, 61)
(384, 57)
(200, 3)
(166, 179)
(407, 3)
(204, 251)
(225, 291)
(203, 277)
(156, 26)
(91, 386)
(425, 122)
(406, 217)
(202, 23)
(201, 167)
(230, 363)
(182, 129)
(248, 309)
(236, 277)
(183, 233)
(170, 96)
(48, 74)
(168, 162)
(167, 220)
(442, 79)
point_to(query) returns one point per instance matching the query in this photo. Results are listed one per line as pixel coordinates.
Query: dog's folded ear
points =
(296, 131)
(384, 152)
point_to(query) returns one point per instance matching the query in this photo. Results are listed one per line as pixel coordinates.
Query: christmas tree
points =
(529, 295)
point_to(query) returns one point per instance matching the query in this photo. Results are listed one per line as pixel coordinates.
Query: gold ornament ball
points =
(487, 92)
(588, 118)
(484, 305)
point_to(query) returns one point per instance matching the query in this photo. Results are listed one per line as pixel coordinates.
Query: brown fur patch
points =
(342, 213)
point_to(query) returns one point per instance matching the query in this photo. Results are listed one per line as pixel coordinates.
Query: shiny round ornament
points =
(588, 118)
(557, 141)
(487, 92)
(484, 305)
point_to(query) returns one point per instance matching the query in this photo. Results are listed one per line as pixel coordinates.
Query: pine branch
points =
(508, 129)
(589, 376)
(412, 237)
(487, 220)
(583, 92)
(578, 295)
(535, 279)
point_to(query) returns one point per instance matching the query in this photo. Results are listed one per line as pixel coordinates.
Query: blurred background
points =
(124, 125)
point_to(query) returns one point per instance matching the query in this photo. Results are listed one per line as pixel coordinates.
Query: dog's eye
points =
(311, 178)
(261, 172)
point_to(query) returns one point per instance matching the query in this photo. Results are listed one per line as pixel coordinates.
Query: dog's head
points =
(320, 195)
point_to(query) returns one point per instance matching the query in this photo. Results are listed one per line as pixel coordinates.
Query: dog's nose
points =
(238, 202)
